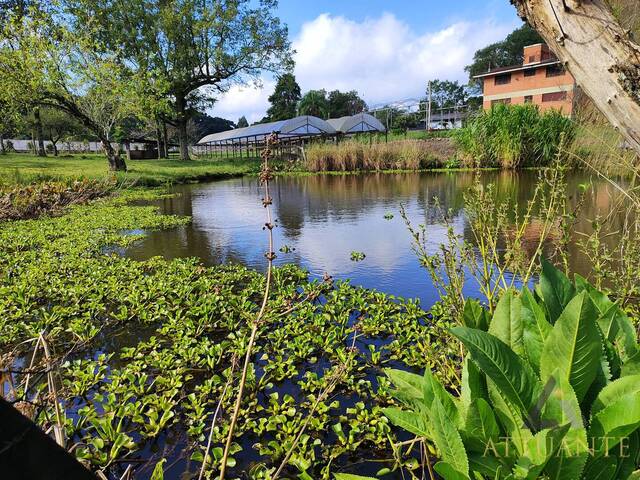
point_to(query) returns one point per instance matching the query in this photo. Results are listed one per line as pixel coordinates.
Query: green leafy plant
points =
(550, 389)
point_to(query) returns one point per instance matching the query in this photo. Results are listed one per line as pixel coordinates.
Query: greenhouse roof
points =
(304, 125)
(361, 122)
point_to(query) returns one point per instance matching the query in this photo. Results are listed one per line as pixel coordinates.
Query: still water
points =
(323, 218)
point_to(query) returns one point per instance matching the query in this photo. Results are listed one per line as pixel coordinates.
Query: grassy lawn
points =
(25, 168)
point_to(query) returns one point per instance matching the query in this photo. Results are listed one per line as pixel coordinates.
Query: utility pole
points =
(428, 120)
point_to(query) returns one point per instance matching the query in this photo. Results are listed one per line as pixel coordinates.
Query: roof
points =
(361, 122)
(517, 68)
(298, 126)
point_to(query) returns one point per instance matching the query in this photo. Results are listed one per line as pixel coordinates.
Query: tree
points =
(242, 122)
(45, 63)
(502, 54)
(315, 103)
(598, 52)
(204, 125)
(193, 48)
(345, 103)
(446, 94)
(284, 99)
(57, 125)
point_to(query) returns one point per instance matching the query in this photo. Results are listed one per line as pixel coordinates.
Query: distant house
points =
(541, 80)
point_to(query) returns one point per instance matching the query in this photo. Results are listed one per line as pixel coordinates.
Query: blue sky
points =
(386, 50)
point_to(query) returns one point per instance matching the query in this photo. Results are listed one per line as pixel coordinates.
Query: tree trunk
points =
(165, 140)
(159, 141)
(181, 122)
(55, 148)
(599, 54)
(116, 163)
(2, 149)
(40, 136)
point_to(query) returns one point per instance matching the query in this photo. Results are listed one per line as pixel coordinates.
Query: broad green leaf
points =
(614, 322)
(473, 382)
(511, 374)
(634, 476)
(615, 391)
(628, 453)
(408, 386)
(510, 419)
(556, 290)
(600, 468)
(480, 426)
(536, 329)
(574, 346)
(432, 389)
(506, 323)
(631, 366)
(448, 472)
(412, 422)
(538, 451)
(615, 422)
(561, 407)
(488, 463)
(474, 316)
(447, 439)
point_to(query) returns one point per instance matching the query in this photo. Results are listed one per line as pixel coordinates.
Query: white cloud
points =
(381, 58)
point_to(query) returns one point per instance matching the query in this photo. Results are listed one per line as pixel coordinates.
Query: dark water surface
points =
(323, 218)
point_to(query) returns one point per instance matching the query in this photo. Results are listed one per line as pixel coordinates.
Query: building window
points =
(502, 101)
(531, 72)
(532, 58)
(503, 79)
(528, 99)
(554, 97)
(555, 70)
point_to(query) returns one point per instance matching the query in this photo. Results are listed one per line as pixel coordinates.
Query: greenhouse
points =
(359, 123)
(246, 142)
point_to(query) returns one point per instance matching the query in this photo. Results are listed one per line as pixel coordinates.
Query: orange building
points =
(541, 80)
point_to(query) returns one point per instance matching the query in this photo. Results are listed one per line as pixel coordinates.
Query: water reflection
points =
(326, 217)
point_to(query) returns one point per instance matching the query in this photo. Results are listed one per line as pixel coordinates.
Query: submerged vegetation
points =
(512, 136)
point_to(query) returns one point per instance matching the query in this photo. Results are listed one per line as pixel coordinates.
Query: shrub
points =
(550, 389)
(514, 136)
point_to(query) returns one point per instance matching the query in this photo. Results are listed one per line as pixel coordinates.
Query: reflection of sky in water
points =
(324, 218)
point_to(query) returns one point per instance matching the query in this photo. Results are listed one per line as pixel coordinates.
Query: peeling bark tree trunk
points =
(599, 54)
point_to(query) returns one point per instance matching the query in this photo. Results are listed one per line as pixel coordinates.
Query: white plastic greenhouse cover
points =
(361, 122)
(298, 126)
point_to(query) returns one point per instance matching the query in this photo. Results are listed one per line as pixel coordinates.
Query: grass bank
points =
(18, 168)
(395, 155)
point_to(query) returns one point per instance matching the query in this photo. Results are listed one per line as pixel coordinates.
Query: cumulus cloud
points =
(382, 58)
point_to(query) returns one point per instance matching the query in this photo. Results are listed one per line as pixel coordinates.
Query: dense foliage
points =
(550, 389)
(512, 136)
(148, 348)
(504, 53)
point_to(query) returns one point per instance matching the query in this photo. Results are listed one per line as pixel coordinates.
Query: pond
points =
(322, 219)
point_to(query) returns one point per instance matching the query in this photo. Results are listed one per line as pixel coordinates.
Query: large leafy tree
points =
(445, 94)
(284, 99)
(315, 103)
(47, 63)
(193, 48)
(345, 103)
(504, 53)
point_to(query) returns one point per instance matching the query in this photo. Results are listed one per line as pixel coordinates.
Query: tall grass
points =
(512, 136)
(400, 155)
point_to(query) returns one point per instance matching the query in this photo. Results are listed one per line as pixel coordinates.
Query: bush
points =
(512, 136)
(550, 389)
